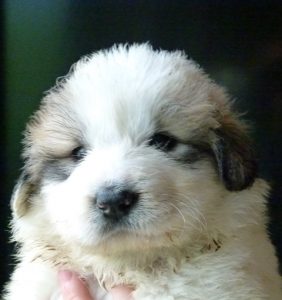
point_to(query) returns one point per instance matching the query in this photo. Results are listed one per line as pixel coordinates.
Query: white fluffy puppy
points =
(137, 172)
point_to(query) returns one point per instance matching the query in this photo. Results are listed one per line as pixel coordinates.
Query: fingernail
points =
(121, 292)
(65, 276)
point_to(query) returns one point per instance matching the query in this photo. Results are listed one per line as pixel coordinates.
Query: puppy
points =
(137, 172)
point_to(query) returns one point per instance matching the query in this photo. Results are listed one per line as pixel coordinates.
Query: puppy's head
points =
(133, 147)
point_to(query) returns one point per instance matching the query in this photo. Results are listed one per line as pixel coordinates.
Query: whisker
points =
(195, 212)
(179, 211)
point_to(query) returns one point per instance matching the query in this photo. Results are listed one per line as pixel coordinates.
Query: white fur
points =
(188, 237)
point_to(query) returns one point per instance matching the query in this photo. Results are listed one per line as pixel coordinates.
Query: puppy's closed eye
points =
(78, 153)
(163, 141)
(178, 150)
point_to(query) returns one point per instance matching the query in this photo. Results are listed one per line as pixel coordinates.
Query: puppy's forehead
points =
(136, 91)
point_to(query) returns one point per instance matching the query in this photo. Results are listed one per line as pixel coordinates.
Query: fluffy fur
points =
(153, 122)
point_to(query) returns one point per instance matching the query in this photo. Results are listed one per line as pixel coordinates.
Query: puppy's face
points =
(133, 148)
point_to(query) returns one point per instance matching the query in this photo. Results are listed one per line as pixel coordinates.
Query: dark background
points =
(238, 42)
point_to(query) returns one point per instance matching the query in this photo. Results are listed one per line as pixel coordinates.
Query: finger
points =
(121, 293)
(72, 287)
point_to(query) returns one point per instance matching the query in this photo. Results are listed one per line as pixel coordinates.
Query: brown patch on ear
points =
(234, 156)
(22, 193)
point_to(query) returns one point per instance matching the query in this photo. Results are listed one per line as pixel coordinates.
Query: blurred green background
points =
(238, 42)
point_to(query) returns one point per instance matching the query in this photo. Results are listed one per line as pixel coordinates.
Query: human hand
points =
(74, 289)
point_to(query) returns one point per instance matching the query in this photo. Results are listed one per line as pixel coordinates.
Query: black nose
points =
(115, 202)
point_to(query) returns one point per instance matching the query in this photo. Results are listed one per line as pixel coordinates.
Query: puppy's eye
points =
(78, 153)
(163, 141)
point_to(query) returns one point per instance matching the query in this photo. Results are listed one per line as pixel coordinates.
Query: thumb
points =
(72, 287)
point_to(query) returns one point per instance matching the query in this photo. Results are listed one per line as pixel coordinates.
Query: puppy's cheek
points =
(68, 210)
(195, 194)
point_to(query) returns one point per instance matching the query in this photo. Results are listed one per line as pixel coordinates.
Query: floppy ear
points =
(21, 196)
(234, 156)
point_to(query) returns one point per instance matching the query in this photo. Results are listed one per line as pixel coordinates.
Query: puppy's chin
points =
(123, 242)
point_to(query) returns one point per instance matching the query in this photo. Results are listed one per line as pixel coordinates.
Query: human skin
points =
(74, 289)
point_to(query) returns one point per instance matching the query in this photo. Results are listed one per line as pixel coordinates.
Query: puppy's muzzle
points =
(115, 202)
